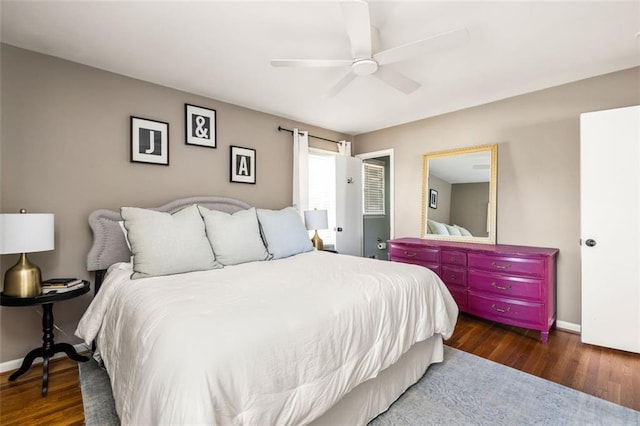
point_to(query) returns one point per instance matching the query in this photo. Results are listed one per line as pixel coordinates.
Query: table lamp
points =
(24, 233)
(314, 220)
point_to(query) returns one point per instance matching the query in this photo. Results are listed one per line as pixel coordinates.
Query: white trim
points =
(386, 153)
(16, 363)
(314, 150)
(568, 326)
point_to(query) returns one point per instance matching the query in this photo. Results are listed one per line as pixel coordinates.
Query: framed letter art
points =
(201, 126)
(433, 198)
(243, 165)
(149, 141)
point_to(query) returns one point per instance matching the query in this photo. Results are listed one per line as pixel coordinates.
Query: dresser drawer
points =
(454, 257)
(459, 295)
(506, 285)
(454, 275)
(408, 253)
(507, 264)
(510, 311)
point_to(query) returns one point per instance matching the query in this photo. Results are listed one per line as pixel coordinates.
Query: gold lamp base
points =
(317, 241)
(23, 279)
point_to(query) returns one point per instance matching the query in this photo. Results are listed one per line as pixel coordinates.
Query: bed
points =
(309, 338)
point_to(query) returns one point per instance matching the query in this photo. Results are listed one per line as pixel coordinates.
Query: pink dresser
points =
(514, 285)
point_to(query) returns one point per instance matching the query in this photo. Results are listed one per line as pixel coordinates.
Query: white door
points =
(348, 205)
(610, 227)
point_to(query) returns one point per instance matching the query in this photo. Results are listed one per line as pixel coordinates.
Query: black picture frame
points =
(242, 166)
(200, 126)
(149, 141)
(433, 198)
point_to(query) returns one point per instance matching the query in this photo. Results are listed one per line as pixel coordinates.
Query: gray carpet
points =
(463, 390)
(99, 407)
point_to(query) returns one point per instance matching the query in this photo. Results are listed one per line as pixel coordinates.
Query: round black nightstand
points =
(49, 348)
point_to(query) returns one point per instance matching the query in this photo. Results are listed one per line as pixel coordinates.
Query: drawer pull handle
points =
(452, 259)
(499, 287)
(503, 311)
(406, 253)
(452, 277)
(507, 266)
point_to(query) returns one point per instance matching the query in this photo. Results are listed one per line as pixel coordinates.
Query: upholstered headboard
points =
(109, 245)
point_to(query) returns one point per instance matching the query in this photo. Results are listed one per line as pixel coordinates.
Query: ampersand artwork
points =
(201, 131)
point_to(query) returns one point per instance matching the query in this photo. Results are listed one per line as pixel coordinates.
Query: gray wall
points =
(65, 150)
(442, 212)
(538, 165)
(469, 207)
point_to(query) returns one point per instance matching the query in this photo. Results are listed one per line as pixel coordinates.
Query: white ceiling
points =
(472, 167)
(222, 50)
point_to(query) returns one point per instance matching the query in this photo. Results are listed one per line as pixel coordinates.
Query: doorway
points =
(378, 203)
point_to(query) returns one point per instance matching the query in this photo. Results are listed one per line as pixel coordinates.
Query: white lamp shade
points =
(316, 219)
(26, 232)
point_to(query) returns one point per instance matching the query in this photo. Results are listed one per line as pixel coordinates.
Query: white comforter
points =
(273, 342)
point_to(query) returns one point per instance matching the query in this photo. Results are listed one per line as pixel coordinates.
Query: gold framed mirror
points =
(459, 195)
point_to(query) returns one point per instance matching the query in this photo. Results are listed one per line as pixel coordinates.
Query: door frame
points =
(392, 205)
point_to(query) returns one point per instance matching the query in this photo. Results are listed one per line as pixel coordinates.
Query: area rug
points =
(463, 390)
(97, 399)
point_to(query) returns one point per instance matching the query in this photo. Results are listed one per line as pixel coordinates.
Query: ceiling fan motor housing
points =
(364, 66)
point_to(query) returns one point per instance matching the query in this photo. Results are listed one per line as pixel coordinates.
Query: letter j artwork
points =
(149, 141)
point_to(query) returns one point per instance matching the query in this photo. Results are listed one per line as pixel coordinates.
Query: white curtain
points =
(300, 170)
(344, 148)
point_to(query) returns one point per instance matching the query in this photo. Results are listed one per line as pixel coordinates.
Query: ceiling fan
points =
(363, 37)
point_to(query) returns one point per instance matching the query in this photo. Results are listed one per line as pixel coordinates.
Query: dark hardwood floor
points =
(606, 373)
(21, 402)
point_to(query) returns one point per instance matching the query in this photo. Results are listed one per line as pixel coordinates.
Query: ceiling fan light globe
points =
(364, 67)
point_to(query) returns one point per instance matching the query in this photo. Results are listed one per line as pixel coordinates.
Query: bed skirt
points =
(373, 397)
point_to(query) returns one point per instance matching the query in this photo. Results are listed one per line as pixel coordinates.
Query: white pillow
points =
(463, 231)
(284, 232)
(235, 238)
(453, 230)
(164, 243)
(437, 227)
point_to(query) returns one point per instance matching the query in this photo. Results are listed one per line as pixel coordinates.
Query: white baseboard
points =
(568, 326)
(16, 363)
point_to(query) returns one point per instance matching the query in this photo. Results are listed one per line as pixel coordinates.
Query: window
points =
(322, 191)
(373, 192)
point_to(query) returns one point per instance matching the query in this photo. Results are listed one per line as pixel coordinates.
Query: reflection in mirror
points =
(459, 195)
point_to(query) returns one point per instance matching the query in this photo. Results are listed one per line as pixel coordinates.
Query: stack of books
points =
(60, 285)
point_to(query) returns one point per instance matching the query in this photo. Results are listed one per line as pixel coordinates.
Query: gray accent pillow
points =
(235, 238)
(164, 243)
(284, 232)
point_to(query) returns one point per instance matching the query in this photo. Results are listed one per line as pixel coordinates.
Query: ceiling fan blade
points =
(421, 47)
(396, 80)
(340, 85)
(358, 22)
(311, 62)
